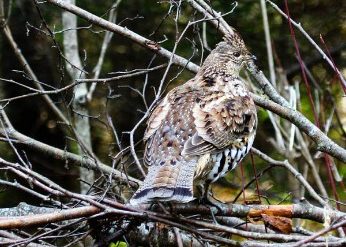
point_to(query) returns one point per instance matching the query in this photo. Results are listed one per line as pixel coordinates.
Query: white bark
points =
(73, 67)
(268, 43)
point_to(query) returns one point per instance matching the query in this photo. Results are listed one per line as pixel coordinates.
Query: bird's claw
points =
(211, 202)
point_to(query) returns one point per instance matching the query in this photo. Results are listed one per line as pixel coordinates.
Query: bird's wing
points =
(221, 120)
(156, 117)
(165, 118)
(166, 105)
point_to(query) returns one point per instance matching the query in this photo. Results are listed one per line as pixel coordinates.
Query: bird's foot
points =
(211, 202)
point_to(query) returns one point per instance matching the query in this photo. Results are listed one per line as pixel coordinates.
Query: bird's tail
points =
(170, 181)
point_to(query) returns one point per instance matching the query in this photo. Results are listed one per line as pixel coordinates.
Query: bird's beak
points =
(251, 57)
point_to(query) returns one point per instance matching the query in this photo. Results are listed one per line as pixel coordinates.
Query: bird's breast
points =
(213, 166)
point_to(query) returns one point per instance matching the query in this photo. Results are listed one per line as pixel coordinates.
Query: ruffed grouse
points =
(200, 130)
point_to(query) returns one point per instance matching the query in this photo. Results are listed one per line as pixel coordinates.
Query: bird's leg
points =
(207, 200)
(206, 191)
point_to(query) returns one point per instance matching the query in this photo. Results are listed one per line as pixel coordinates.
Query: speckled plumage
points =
(200, 130)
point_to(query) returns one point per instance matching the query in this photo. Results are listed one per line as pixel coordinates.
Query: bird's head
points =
(229, 56)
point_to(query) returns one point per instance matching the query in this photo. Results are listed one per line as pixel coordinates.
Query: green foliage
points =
(118, 244)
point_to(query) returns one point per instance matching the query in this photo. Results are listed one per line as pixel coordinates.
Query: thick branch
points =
(322, 141)
(42, 219)
(302, 211)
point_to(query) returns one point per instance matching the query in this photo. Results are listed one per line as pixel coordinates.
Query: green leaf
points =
(118, 244)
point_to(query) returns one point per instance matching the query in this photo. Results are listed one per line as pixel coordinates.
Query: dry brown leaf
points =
(278, 223)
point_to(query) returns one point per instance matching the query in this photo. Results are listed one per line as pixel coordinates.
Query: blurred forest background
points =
(119, 101)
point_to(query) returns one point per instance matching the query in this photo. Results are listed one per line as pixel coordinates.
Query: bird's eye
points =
(236, 54)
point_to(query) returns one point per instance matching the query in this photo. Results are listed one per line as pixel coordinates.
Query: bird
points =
(200, 130)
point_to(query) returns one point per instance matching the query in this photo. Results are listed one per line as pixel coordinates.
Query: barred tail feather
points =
(183, 191)
(166, 183)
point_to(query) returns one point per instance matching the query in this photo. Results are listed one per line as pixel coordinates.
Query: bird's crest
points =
(235, 40)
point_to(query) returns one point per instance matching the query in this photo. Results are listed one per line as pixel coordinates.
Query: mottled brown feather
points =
(193, 125)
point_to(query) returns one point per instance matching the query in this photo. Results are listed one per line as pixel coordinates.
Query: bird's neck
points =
(215, 66)
(216, 70)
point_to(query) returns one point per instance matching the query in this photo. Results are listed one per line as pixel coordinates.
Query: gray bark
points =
(81, 120)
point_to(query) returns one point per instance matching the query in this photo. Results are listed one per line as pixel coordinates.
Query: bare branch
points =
(324, 144)
(17, 51)
(59, 154)
(42, 219)
(149, 44)
(307, 36)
